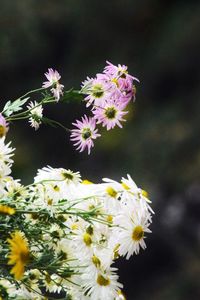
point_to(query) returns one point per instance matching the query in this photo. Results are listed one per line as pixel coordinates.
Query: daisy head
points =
(131, 236)
(36, 114)
(53, 78)
(84, 133)
(110, 114)
(116, 71)
(96, 89)
(119, 71)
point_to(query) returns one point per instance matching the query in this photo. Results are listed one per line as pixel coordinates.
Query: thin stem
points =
(56, 123)
(32, 91)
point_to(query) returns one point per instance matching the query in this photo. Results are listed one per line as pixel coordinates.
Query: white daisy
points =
(36, 114)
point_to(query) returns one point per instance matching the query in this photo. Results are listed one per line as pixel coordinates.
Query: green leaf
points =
(11, 107)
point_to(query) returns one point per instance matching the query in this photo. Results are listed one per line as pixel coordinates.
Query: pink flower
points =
(113, 83)
(124, 82)
(96, 89)
(53, 80)
(84, 133)
(3, 126)
(110, 114)
(118, 71)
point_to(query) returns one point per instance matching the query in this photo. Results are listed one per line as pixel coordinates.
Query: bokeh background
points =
(159, 144)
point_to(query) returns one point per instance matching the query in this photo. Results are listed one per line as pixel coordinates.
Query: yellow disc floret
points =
(111, 192)
(96, 261)
(87, 239)
(138, 233)
(145, 194)
(101, 280)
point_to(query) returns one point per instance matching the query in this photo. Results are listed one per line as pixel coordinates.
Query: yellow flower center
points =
(138, 233)
(86, 133)
(101, 280)
(115, 81)
(111, 192)
(96, 261)
(74, 226)
(56, 188)
(67, 175)
(50, 202)
(97, 91)
(109, 218)
(110, 112)
(2, 131)
(145, 194)
(87, 239)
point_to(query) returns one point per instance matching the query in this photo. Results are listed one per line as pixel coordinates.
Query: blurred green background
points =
(159, 144)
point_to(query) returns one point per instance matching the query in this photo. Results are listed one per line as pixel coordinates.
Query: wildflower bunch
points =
(107, 95)
(61, 235)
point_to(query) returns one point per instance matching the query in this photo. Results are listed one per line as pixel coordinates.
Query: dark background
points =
(159, 144)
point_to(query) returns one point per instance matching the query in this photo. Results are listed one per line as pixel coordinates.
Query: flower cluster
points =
(108, 95)
(61, 235)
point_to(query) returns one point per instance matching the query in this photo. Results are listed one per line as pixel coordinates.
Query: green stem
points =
(32, 91)
(51, 121)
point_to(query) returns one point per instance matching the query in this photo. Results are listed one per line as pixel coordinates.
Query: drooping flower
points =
(84, 133)
(36, 114)
(110, 114)
(19, 255)
(118, 71)
(53, 78)
(3, 126)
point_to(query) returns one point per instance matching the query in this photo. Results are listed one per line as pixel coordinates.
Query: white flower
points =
(36, 114)
(102, 286)
(5, 152)
(52, 283)
(131, 234)
(60, 174)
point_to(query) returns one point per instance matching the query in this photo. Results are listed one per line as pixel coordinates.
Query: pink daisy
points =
(110, 114)
(118, 71)
(96, 89)
(84, 133)
(53, 80)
